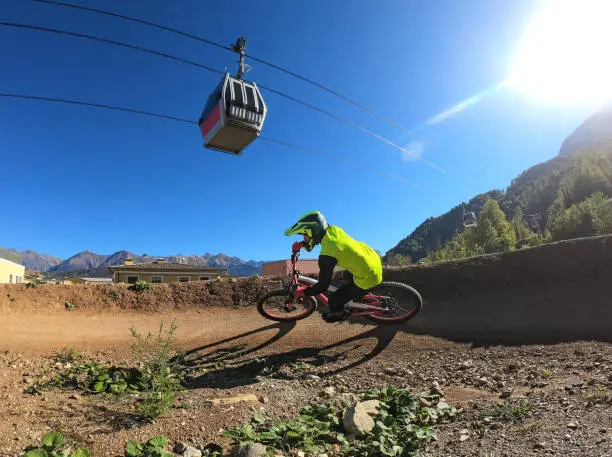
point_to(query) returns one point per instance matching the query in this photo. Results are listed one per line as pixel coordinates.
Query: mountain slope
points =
(583, 166)
(38, 262)
(82, 261)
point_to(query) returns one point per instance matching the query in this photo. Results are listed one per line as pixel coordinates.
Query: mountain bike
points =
(388, 302)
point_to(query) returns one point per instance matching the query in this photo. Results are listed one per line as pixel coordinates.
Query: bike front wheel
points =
(399, 301)
(277, 305)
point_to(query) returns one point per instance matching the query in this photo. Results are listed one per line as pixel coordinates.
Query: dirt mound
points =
(16, 298)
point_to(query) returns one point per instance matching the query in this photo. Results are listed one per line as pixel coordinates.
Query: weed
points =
(159, 370)
(529, 426)
(155, 447)
(69, 306)
(547, 373)
(600, 396)
(511, 412)
(114, 294)
(34, 284)
(53, 446)
(69, 355)
(401, 427)
(141, 286)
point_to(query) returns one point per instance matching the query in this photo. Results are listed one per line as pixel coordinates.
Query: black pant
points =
(343, 295)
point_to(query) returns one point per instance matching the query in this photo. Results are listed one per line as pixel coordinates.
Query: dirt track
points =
(479, 335)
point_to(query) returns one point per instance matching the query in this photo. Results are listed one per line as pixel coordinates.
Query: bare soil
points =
(477, 347)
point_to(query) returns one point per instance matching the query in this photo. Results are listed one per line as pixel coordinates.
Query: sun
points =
(565, 54)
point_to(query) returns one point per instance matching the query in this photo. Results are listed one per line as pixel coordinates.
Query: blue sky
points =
(76, 178)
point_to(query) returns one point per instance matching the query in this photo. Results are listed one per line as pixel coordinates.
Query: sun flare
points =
(564, 56)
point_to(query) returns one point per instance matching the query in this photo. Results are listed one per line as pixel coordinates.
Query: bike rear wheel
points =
(278, 306)
(401, 301)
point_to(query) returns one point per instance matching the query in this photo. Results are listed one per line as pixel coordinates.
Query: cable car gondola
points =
(234, 113)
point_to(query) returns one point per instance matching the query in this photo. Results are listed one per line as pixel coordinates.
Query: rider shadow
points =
(224, 368)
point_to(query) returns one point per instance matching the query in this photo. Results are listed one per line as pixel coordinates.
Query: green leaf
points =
(158, 441)
(36, 453)
(53, 440)
(133, 449)
(293, 435)
(99, 387)
(81, 453)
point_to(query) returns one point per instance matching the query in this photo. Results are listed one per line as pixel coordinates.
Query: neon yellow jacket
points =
(352, 255)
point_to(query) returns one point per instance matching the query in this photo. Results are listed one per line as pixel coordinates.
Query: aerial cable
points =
(229, 48)
(208, 68)
(189, 121)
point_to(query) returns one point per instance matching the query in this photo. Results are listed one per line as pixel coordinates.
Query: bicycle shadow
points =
(239, 365)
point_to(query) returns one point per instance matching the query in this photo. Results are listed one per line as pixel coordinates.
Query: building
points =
(11, 269)
(283, 267)
(162, 271)
(79, 280)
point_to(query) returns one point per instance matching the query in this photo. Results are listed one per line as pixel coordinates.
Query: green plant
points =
(114, 294)
(69, 306)
(511, 412)
(401, 427)
(92, 378)
(141, 286)
(69, 355)
(600, 396)
(159, 370)
(155, 447)
(547, 373)
(52, 446)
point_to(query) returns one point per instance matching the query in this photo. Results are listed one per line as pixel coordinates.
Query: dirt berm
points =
(553, 293)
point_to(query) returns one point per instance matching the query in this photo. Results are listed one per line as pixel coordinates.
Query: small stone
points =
(265, 400)
(357, 419)
(540, 445)
(190, 451)
(344, 400)
(506, 393)
(179, 448)
(313, 377)
(572, 425)
(391, 371)
(329, 391)
(464, 438)
(567, 437)
(252, 450)
(467, 364)
(487, 420)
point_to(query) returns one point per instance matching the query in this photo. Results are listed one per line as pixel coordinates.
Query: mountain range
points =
(88, 263)
(584, 162)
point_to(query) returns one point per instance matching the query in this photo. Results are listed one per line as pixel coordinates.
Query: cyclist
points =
(337, 248)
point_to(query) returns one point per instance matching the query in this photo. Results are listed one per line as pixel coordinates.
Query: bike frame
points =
(373, 302)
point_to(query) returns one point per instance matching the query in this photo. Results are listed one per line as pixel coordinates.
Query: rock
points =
(328, 392)
(190, 451)
(265, 400)
(252, 450)
(572, 425)
(506, 393)
(391, 371)
(344, 400)
(179, 448)
(313, 377)
(567, 437)
(435, 386)
(464, 438)
(540, 445)
(467, 364)
(357, 419)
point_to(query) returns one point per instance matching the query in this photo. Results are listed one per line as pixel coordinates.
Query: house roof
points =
(91, 279)
(166, 266)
